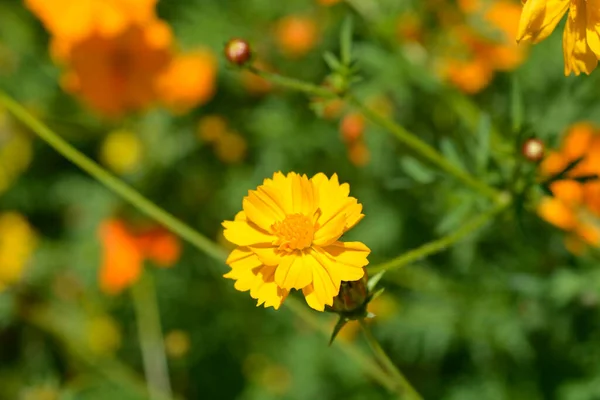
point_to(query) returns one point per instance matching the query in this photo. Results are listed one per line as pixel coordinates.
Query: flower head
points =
(288, 238)
(124, 252)
(581, 38)
(575, 202)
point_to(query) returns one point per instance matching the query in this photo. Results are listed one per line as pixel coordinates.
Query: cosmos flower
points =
(575, 203)
(124, 252)
(288, 238)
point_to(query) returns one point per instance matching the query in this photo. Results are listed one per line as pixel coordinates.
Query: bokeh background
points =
(510, 312)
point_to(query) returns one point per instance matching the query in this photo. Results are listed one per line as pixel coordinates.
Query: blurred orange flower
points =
(575, 205)
(75, 20)
(481, 56)
(189, 80)
(296, 35)
(125, 251)
(120, 58)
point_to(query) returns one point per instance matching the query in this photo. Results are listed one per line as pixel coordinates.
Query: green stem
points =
(151, 338)
(441, 244)
(108, 180)
(401, 133)
(402, 384)
(367, 364)
(425, 150)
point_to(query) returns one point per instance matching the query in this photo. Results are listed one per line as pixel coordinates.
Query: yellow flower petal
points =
(279, 191)
(303, 195)
(268, 255)
(250, 274)
(322, 291)
(258, 210)
(539, 18)
(331, 231)
(243, 233)
(348, 258)
(294, 272)
(333, 200)
(593, 25)
(579, 57)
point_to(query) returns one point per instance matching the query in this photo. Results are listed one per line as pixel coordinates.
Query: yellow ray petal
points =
(331, 231)
(242, 233)
(345, 260)
(539, 18)
(260, 212)
(293, 272)
(250, 274)
(268, 255)
(593, 25)
(322, 291)
(579, 57)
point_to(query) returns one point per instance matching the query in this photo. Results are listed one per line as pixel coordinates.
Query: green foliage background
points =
(505, 314)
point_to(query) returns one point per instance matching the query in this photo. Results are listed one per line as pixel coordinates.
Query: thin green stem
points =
(111, 182)
(292, 83)
(151, 338)
(402, 384)
(425, 150)
(441, 244)
(370, 367)
(402, 134)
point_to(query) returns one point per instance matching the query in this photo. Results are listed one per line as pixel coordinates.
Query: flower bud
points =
(533, 149)
(352, 298)
(238, 51)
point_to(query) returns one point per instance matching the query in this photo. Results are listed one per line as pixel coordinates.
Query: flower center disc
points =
(295, 232)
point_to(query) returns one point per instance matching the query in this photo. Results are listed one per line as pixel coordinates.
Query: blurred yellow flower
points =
(177, 344)
(103, 335)
(288, 238)
(121, 151)
(15, 151)
(17, 243)
(581, 37)
(211, 128)
(575, 206)
(231, 147)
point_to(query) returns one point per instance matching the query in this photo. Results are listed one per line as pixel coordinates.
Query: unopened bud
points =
(238, 51)
(352, 298)
(533, 149)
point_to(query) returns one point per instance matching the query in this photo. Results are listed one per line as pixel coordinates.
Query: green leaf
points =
(337, 328)
(346, 41)
(416, 170)
(374, 280)
(332, 61)
(450, 152)
(483, 139)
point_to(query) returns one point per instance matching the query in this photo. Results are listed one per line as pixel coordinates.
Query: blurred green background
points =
(507, 313)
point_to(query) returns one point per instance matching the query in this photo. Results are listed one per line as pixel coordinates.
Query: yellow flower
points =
(581, 38)
(17, 243)
(288, 238)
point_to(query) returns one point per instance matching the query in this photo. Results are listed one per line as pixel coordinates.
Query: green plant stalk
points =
(150, 337)
(441, 244)
(370, 367)
(425, 150)
(195, 238)
(402, 134)
(403, 386)
(111, 182)
(111, 368)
